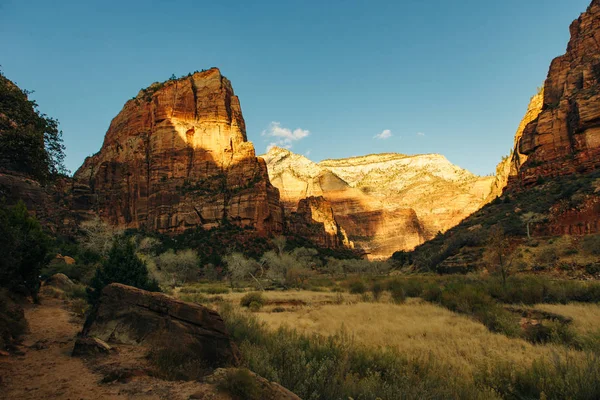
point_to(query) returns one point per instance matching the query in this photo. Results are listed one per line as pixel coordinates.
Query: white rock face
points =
(385, 202)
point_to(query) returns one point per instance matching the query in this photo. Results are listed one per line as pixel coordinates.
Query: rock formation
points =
(177, 157)
(565, 137)
(126, 315)
(385, 202)
(314, 219)
(509, 166)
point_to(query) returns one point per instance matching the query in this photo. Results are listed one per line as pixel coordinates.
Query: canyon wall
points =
(177, 157)
(564, 138)
(385, 202)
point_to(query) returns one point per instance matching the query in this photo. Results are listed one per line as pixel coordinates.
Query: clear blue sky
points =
(459, 72)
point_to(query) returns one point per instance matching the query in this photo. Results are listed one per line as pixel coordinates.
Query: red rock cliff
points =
(177, 157)
(565, 137)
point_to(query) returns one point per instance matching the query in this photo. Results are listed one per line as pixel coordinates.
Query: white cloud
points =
(284, 137)
(386, 134)
(307, 153)
(420, 134)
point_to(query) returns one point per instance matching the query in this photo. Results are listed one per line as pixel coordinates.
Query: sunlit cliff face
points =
(176, 157)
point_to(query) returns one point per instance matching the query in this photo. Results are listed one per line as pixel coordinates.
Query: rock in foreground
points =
(126, 315)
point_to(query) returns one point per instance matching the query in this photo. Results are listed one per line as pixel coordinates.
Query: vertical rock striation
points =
(177, 157)
(564, 138)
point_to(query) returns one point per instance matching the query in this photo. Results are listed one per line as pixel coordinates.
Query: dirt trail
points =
(46, 369)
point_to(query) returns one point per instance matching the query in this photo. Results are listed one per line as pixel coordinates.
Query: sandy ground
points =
(46, 370)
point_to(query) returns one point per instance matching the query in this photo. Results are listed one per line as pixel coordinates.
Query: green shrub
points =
(593, 268)
(377, 290)
(548, 378)
(255, 306)
(591, 245)
(254, 297)
(122, 266)
(547, 257)
(77, 292)
(25, 249)
(357, 287)
(198, 298)
(241, 385)
(12, 319)
(215, 290)
(398, 295)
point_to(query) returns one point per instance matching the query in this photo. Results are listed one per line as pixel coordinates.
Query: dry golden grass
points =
(585, 316)
(416, 328)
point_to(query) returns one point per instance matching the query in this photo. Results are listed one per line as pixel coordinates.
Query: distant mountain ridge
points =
(385, 202)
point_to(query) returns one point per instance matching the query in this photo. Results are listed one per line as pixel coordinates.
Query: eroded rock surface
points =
(177, 157)
(385, 202)
(564, 138)
(314, 219)
(126, 315)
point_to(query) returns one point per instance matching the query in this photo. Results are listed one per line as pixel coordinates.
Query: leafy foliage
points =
(24, 249)
(30, 141)
(121, 266)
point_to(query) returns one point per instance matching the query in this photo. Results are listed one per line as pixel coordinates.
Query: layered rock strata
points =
(564, 138)
(314, 219)
(384, 202)
(177, 157)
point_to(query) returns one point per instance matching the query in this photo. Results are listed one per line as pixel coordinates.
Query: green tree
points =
(30, 142)
(24, 247)
(121, 266)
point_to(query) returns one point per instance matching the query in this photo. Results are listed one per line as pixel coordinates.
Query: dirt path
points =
(46, 370)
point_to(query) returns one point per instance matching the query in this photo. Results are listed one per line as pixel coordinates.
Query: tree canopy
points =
(30, 142)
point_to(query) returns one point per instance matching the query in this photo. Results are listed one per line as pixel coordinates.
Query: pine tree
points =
(122, 266)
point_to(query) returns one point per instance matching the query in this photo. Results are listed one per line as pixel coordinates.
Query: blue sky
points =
(427, 76)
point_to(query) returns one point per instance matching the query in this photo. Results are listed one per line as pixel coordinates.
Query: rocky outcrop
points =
(126, 315)
(49, 203)
(177, 157)
(564, 138)
(60, 281)
(314, 220)
(385, 202)
(509, 166)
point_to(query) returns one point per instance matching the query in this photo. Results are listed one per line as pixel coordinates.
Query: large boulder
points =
(126, 315)
(59, 281)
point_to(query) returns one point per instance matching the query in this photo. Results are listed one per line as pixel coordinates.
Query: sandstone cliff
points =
(314, 219)
(385, 202)
(565, 137)
(177, 157)
(509, 166)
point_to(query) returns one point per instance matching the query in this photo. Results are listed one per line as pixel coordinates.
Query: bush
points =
(547, 257)
(357, 287)
(25, 249)
(593, 268)
(12, 320)
(255, 306)
(398, 295)
(254, 297)
(547, 378)
(122, 266)
(591, 245)
(376, 289)
(241, 385)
